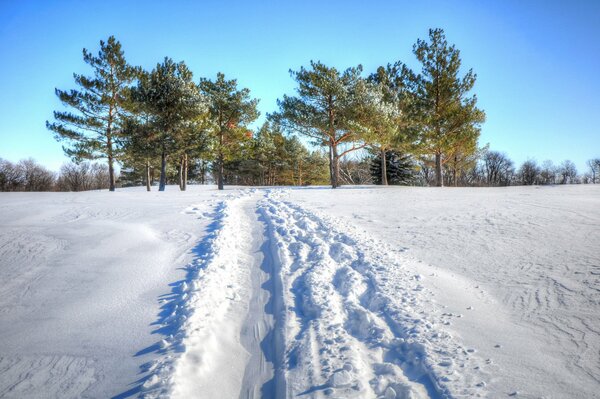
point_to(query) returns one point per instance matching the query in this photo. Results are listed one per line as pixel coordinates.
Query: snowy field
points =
(314, 293)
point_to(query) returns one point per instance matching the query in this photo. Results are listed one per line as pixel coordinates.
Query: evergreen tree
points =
(331, 109)
(140, 149)
(169, 95)
(391, 124)
(92, 130)
(194, 142)
(231, 111)
(449, 119)
(400, 169)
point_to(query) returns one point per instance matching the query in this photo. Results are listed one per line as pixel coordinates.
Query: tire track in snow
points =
(357, 325)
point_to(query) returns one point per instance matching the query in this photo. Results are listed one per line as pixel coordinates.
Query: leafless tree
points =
(529, 173)
(498, 168)
(568, 173)
(548, 173)
(26, 175)
(594, 165)
(82, 177)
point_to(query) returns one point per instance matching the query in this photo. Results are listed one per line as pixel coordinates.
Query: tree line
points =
(28, 175)
(163, 126)
(139, 118)
(276, 164)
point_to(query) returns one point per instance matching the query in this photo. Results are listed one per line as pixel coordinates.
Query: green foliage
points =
(270, 158)
(331, 109)
(393, 123)
(400, 168)
(171, 101)
(173, 110)
(448, 118)
(231, 111)
(90, 131)
(167, 122)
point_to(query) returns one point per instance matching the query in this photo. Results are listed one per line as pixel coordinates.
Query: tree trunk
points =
(147, 175)
(331, 177)
(111, 174)
(111, 169)
(439, 182)
(163, 171)
(220, 172)
(185, 171)
(335, 176)
(202, 171)
(221, 167)
(181, 173)
(384, 180)
(454, 171)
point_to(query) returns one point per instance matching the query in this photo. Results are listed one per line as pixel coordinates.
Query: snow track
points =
(203, 355)
(281, 302)
(358, 324)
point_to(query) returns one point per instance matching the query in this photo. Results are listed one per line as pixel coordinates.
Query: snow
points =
(362, 292)
(517, 271)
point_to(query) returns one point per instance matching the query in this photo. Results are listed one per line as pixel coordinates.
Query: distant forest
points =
(392, 126)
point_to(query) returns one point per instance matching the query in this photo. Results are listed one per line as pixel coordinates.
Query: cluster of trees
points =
(162, 122)
(428, 114)
(417, 127)
(497, 169)
(28, 175)
(150, 119)
(486, 168)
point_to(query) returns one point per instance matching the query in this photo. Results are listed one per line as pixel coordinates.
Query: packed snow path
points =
(282, 303)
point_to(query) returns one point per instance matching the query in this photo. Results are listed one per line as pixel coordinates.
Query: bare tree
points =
(26, 175)
(498, 168)
(10, 177)
(548, 173)
(82, 177)
(594, 165)
(35, 176)
(568, 173)
(529, 173)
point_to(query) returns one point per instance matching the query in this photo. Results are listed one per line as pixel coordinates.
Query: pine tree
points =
(449, 119)
(231, 111)
(169, 95)
(329, 109)
(139, 149)
(92, 130)
(391, 125)
(400, 169)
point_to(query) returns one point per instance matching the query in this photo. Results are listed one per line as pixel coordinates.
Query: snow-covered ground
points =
(352, 293)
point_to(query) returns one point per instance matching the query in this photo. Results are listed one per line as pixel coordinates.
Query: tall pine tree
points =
(92, 130)
(449, 119)
(169, 95)
(231, 111)
(329, 109)
(391, 120)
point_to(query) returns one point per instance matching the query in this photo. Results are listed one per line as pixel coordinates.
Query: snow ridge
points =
(195, 309)
(357, 323)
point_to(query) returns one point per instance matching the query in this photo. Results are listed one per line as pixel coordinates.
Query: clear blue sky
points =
(538, 62)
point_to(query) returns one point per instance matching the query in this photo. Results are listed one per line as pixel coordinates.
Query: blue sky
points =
(538, 62)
